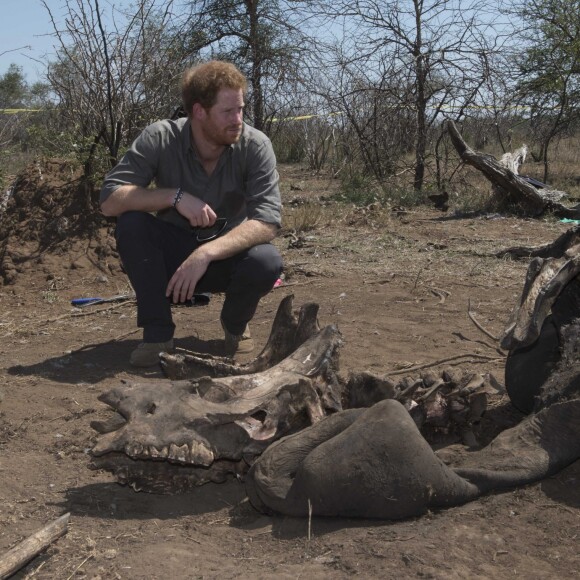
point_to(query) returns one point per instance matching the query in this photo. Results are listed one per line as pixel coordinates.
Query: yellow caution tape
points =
(14, 111)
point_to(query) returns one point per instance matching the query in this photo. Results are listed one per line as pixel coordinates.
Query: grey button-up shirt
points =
(244, 184)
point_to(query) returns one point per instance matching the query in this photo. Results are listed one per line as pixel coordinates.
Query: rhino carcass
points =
(310, 453)
(168, 436)
(374, 462)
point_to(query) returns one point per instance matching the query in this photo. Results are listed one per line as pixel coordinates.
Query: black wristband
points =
(177, 198)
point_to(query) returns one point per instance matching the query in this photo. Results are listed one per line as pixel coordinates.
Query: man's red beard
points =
(233, 134)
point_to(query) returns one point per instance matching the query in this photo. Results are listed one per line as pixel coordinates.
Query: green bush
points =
(358, 188)
(362, 189)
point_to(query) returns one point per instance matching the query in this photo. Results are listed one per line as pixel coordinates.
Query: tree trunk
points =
(532, 201)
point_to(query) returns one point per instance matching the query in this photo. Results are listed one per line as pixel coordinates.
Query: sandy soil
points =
(397, 283)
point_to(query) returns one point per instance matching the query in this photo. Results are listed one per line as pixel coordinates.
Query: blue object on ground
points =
(200, 299)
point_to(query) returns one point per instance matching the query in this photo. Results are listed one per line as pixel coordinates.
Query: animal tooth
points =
(122, 475)
(200, 454)
(134, 449)
(179, 453)
(158, 453)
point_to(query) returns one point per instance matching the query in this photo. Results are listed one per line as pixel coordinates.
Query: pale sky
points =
(25, 23)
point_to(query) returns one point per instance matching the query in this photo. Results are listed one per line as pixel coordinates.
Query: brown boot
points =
(237, 343)
(147, 353)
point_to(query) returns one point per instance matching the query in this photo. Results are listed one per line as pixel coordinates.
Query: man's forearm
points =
(248, 234)
(133, 197)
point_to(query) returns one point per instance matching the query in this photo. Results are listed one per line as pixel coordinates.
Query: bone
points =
(289, 331)
(206, 422)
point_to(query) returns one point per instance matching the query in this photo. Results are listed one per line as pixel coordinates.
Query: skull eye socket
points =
(260, 416)
(151, 409)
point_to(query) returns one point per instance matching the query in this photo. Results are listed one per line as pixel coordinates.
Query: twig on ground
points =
(441, 294)
(560, 507)
(443, 360)
(95, 344)
(472, 317)
(35, 571)
(26, 420)
(287, 284)
(80, 566)
(309, 520)
(483, 342)
(417, 278)
(58, 418)
(88, 312)
(381, 281)
(124, 335)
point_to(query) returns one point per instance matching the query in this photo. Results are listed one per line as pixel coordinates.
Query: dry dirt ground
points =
(397, 283)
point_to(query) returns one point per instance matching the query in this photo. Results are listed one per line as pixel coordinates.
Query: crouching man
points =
(198, 203)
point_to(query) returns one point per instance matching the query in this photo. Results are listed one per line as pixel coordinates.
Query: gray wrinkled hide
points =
(375, 464)
(369, 463)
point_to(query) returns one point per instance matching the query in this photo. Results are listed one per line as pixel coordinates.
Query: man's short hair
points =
(201, 83)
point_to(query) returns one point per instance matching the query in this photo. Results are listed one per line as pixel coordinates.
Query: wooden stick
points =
(113, 340)
(492, 346)
(89, 312)
(441, 361)
(309, 520)
(29, 548)
(80, 566)
(472, 317)
(288, 284)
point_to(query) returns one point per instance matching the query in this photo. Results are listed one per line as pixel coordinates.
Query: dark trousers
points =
(151, 251)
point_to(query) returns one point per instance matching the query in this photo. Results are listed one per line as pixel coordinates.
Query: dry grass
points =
(565, 160)
(305, 217)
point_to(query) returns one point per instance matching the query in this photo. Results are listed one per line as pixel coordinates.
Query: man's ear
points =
(199, 112)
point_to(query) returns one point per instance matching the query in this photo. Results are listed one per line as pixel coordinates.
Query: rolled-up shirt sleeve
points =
(137, 167)
(244, 185)
(262, 190)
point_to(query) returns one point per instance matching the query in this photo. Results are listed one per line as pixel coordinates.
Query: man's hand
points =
(133, 197)
(196, 211)
(249, 233)
(182, 284)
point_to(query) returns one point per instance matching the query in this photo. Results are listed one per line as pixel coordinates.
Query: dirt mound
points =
(49, 214)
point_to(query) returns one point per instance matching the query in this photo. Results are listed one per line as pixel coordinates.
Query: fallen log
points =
(532, 201)
(30, 547)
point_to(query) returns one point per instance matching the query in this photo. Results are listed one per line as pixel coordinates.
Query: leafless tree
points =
(115, 73)
(375, 115)
(547, 69)
(425, 58)
(267, 39)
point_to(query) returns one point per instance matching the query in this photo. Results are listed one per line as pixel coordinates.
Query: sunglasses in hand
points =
(203, 235)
